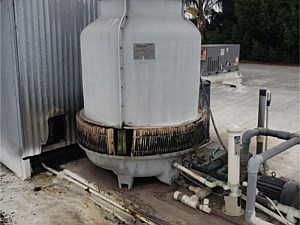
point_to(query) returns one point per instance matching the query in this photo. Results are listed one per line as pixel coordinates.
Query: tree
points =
(268, 30)
(219, 28)
(201, 11)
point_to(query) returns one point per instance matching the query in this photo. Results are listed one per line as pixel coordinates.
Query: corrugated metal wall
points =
(11, 142)
(49, 64)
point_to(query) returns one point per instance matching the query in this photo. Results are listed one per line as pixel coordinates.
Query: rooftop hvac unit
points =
(221, 58)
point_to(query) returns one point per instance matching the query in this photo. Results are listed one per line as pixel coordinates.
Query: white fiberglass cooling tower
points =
(141, 76)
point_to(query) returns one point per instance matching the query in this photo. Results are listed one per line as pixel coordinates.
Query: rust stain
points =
(96, 138)
(169, 139)
(145, 142)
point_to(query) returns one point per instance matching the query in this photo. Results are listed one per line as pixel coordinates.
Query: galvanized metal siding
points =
(10, 129)
(48, 45)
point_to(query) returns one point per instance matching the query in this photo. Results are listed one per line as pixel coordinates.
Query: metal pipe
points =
(267, 126)
(253, 168)
(261, 119)
(201, 179)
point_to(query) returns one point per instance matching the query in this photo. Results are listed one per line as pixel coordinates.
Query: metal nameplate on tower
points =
(144, 51)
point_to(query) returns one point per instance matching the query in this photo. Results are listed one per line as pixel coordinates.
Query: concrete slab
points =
(229, 105)
(151, 198)
(56, 201)
(47, 200)
(240, 105)
(218, 78)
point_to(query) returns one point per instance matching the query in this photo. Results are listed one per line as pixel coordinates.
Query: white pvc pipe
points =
(205, 206)
(234, 132)
(200, 192)
(191, 201)
(199, 178)
(107, 199)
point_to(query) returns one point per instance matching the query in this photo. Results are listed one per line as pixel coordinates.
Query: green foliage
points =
(219, 30)
(268, 30)
(258, 52)
(201, 11)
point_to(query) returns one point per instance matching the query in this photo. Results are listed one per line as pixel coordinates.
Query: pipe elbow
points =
(250, 218)
(175, 164)
(246, 140)
(254, 163)
(295, 135)
(253, 220)
(248, 134)
(210, 184)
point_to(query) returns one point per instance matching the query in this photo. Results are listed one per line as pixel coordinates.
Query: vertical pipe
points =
(267, 116)
(261, 118)
(267, 126)
(206, 89)
(234, 140)
(232, 202)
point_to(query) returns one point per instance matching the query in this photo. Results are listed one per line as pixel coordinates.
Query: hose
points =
(275, 207)
(211, 114)
(214, 152)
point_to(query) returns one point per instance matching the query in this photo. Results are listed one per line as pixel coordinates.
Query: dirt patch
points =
(6, 218)
(48, 200)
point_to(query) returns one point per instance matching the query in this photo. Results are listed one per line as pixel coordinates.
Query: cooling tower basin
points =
(141, 79)
(147, 152)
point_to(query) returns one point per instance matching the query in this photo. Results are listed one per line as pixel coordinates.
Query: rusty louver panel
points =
(169, 139)
(93, 137)
(49, 65)
(139, 142)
